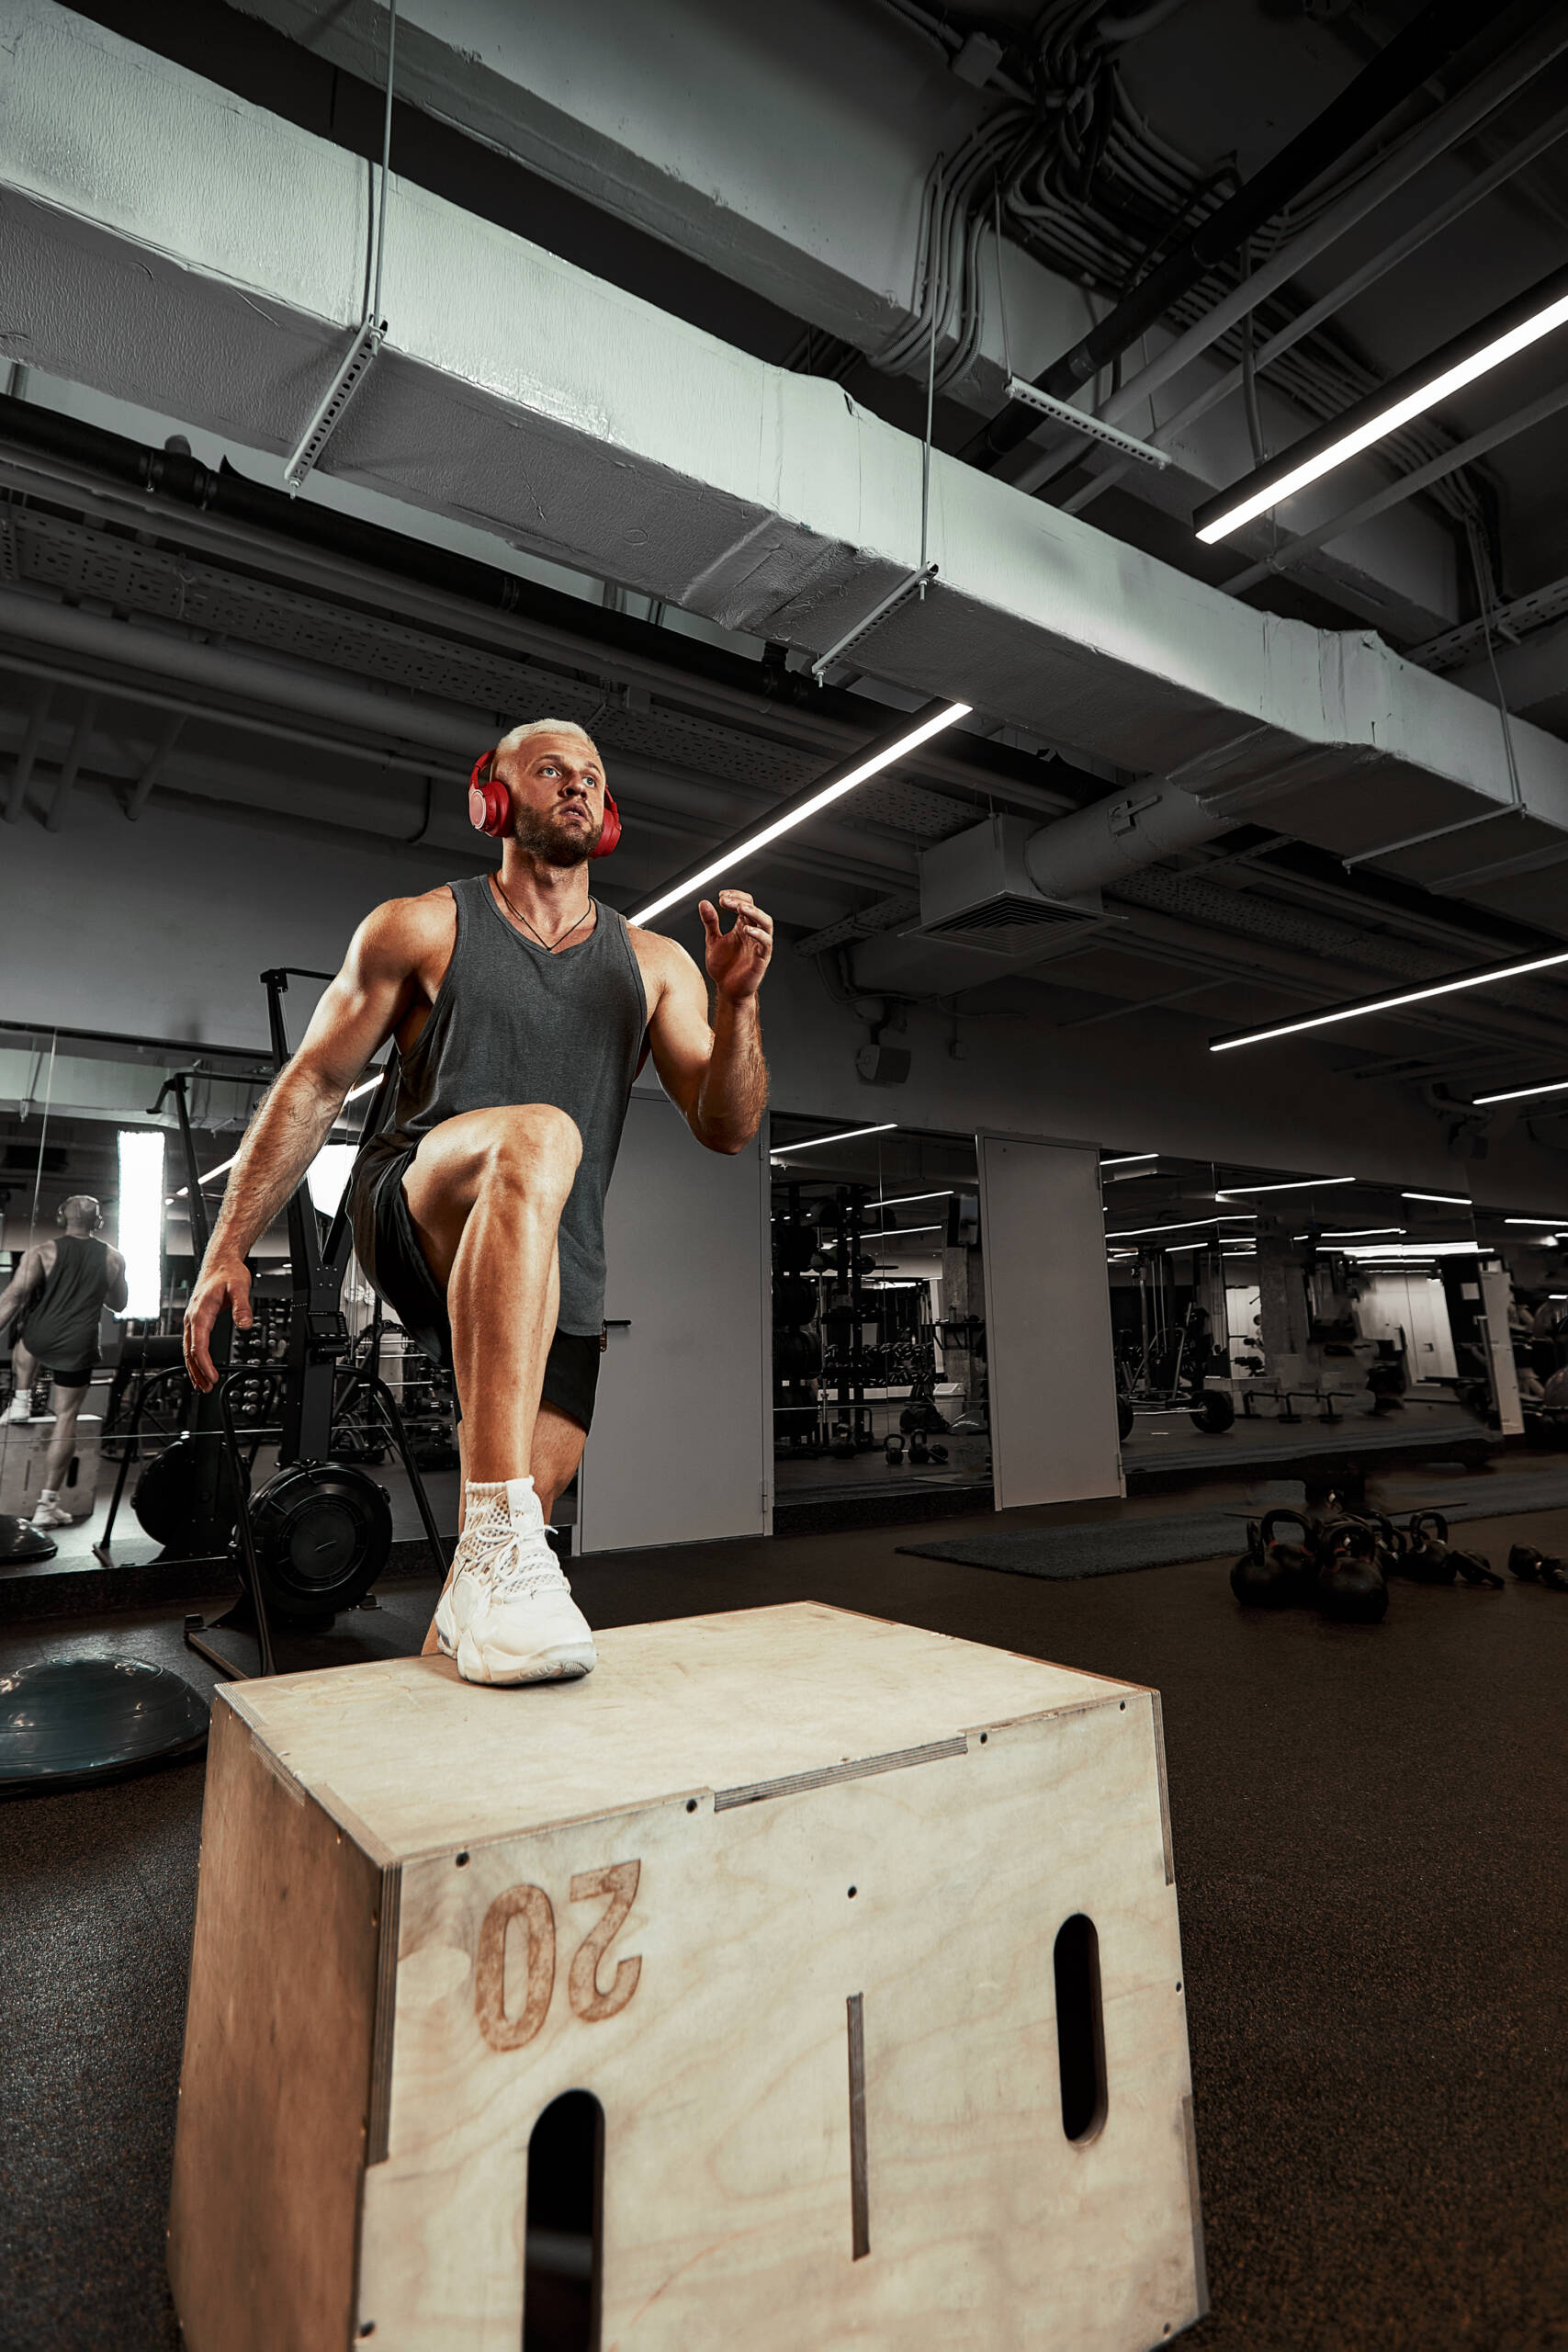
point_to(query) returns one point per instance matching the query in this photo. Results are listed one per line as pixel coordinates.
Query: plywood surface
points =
(274, 2089)
(723, 1702)
(695, 1970)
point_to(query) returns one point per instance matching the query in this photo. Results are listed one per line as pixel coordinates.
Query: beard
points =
(555, 840)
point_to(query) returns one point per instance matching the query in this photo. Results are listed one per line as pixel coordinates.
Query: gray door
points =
(1051, 1371)
(681, 1446)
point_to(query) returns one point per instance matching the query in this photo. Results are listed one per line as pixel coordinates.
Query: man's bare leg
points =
(486, 1191)
(557, 1449)
(63, 1444)
(24, 1372)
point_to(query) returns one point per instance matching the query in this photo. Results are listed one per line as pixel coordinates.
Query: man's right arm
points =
(358, 1013)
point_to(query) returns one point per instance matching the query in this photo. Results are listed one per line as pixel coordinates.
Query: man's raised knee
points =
(534, 1142)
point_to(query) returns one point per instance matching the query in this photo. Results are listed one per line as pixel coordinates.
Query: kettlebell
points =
(893, 1447)
(1474, 1571)
(1430, 1560)
(844, 1446)
(1271, 1573)
(1350, 1586)
(1537, 1567)
(920, 1452)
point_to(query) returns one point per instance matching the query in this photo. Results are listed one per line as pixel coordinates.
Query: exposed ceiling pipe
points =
(223, 508)
(1399, 70)
(1518, 158)
(1115, 836)
(1434, 139)
(225, 672)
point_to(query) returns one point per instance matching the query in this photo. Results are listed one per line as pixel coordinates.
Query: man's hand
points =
(736, 958)
(226, 1283)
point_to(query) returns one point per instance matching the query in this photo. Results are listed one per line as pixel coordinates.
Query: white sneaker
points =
(21, 1406)
(507, 1614)
(48, 1514)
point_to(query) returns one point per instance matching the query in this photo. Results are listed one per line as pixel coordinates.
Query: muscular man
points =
(522, 1007)
(62, 1287)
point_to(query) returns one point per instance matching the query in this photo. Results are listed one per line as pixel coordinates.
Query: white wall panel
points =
(1053, 1383)
(680, 1447)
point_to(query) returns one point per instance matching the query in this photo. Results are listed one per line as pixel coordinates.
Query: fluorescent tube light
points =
(1548, 1224)
(1444, 1200)
(139, 1235)
(1296, 1185)
(902, 1200)
(897, 1232)
(1385, 1251)
(810, 803)
(1127, 1159)
(1540, 309)
(847, 1135)
(1517, 1093)
(1358, 1232)
(1388, 1004)
(1186, 1224)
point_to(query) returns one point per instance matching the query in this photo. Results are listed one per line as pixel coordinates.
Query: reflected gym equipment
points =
(312, 1541)
(66, 1722)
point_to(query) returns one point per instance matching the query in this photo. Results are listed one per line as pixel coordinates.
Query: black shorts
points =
(80, 1378)
(387, 1249)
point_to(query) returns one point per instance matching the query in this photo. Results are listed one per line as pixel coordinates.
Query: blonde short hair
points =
(519, 735)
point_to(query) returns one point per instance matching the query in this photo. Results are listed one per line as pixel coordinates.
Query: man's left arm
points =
(26, 1278)
(715, 1074)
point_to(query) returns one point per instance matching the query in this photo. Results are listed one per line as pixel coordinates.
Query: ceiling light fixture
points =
(902, 1200)
(1517, 1093)
(1127, 1157)
(1547, 1224)
(1185, 1224)
(1538, 312)
(915, 729)
(847, 1135)
(1388, 1004)
(897, 1232)
(1358, 1232)
(1444, 1200)
(1388, 1251)
(1296, 1185)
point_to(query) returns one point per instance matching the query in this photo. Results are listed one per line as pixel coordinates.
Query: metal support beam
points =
(21, 774)
(65, 782)
(1393, 493)
(173, 728)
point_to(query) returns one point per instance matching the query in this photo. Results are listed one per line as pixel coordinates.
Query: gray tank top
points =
(61, 1325)
(514, 1024)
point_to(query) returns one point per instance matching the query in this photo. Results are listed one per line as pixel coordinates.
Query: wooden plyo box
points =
(781, 1889)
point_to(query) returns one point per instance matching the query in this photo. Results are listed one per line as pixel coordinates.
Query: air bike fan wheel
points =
(321, 1532)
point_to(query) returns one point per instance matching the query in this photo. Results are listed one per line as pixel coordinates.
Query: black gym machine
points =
(308, 1544)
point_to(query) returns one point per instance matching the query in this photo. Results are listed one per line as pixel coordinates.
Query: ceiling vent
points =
(975, 892)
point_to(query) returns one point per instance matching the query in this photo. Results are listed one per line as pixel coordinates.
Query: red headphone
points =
(490, 808)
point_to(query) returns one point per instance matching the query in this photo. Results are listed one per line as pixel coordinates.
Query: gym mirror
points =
(97, 1118)
(1523, 1285)
(878, 1309)
(1264, 1314)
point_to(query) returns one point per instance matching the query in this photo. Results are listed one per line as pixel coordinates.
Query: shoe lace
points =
(523, 1563)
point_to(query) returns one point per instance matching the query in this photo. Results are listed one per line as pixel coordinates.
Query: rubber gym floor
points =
(1371, 1865)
